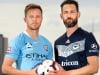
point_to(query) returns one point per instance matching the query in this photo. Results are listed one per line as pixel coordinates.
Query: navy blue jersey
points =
(72, 52)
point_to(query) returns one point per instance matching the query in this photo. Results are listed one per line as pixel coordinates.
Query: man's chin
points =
(34, 28)
(70, 26)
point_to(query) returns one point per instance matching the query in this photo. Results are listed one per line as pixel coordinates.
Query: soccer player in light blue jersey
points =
(28, 49)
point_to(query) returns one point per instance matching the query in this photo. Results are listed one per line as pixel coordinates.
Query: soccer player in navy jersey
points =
(77, 50)
(28, 49)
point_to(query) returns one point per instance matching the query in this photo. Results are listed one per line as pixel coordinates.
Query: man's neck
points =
(33, 33)
(71, 30)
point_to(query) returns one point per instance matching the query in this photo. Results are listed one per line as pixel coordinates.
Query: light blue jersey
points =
(28, 53)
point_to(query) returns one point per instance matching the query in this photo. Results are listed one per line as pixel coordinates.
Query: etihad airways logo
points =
(36, 56)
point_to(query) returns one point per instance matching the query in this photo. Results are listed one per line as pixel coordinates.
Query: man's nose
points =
(34, 18)
(69, 15)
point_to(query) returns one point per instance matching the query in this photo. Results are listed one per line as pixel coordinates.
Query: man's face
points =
(33, 19)
(70, 15)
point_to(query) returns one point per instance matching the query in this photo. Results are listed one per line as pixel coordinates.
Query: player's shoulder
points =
(61, 38)
(81, 30)
(18, 38)
(84, 33)
(44, 39)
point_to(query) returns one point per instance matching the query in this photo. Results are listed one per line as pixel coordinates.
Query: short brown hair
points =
(70, 2)
(32, 6)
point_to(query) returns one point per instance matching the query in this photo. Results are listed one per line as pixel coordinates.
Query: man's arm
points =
(91, 68)
(8, 69)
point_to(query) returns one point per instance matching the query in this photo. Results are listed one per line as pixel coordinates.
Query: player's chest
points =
(30, 47)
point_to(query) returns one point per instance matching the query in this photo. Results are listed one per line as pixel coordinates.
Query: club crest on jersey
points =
(45, 47)
(28, 45)
(76, 46)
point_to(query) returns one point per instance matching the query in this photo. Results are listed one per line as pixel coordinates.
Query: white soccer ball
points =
(46, 66)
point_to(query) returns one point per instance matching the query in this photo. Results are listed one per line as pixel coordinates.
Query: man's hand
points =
(58, 72)
(34, 71)
(61, 71)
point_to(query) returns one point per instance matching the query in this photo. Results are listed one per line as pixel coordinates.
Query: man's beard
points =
(32, 28)
(70, 23)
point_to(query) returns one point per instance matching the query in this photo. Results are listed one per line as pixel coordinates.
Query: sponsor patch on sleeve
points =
(8, 50)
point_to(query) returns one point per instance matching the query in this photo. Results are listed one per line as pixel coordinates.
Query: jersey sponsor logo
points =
(72, 48)
(36, 56)
(8, 50)
(69, 63)
(93, 51)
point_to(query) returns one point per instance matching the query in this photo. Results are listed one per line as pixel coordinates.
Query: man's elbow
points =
(95, 69)
(4, 69)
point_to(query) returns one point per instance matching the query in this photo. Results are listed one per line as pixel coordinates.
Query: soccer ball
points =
(46, 66)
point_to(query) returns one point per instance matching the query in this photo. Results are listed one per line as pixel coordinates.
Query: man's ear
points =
(24, 19)
(61, 15)
(79, 14)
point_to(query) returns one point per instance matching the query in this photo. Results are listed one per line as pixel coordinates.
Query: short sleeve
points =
(92, 47)
(13, 49)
